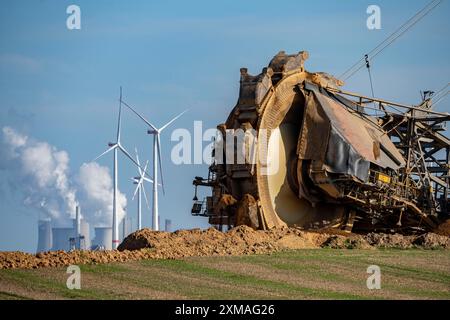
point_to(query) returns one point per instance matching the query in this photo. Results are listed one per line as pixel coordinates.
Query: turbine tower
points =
(140, 189)
(156, 160)
(116, 146)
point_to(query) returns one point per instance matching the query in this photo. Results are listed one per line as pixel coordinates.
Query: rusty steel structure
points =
(344, 160)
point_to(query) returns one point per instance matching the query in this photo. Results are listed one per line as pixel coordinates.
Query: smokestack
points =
(79, 238)
(44, 236)
(78, 221)
(168, 225)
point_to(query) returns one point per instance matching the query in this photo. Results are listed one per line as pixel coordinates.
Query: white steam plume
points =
(42, 173)
(96, 194)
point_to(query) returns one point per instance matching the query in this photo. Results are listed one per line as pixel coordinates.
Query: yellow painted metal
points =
(383, 178)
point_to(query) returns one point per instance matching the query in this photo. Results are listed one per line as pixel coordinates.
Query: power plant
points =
(76, 237)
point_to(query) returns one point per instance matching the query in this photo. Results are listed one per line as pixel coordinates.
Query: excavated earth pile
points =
(444, 228)
(242, 240)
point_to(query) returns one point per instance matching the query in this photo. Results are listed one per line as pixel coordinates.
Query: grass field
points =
(301, 274)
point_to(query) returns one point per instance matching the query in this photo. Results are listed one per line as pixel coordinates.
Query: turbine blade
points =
(137, 155)
(145, 169)
(125, 152)
(145, 196)
(149, 180)
(107, 150)
(137, 160)
(139, 115)
(143, 177)
(158, 142)
(168, 123)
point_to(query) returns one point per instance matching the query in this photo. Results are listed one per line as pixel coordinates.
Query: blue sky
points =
(61, 86)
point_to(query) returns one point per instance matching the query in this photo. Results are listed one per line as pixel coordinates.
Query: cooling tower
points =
(84, 231)
(103, 238)
(61, 238)
(168, 225)
(44, 236)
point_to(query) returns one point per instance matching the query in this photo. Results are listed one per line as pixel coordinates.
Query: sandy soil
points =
(290, 274)
(242, 240)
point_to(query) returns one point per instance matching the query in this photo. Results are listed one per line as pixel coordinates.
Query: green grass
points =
(31, 279)
(295, 274)
(245, 280)
(103, 268)
(11, 296)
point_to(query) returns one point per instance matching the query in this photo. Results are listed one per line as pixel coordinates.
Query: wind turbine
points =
(116, 146)
(156, 159)
(139, 182)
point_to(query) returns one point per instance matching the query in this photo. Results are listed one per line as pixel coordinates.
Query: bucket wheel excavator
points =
(296, 150)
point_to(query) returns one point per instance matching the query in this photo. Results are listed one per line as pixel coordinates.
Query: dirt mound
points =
(242, 240)
(245, 240)
(239, 240)
(343, 242)
(11, 260)
(432, 241)
(382, 240)
(443, 229)
(425, 241)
